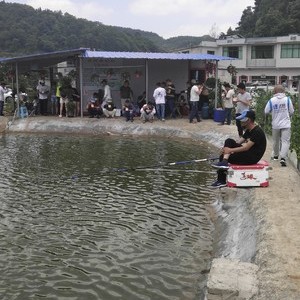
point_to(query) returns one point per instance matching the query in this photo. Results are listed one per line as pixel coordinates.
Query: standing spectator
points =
(147, 112)
(76, 99)
(58, 88)
(107, 93)
(170, 97)
(159, 96)
(63, 101)
(242, 103)
(281, 108)
(2, 91)
(53, 101)
(204, 99)
(194, 100)
(43, 92)
(228, 103)
(126, 93)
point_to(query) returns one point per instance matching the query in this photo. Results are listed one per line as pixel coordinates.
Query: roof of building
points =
(38, 61)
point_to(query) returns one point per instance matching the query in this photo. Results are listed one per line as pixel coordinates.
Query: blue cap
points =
(245, 115)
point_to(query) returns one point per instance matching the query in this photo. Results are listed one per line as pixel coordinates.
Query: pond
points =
(75, 225)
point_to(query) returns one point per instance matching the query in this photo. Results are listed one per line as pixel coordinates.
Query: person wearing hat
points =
(247, 151)
(281, 108)
(228, 103)
(242, 102)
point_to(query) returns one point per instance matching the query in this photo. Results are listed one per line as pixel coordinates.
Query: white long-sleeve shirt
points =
(281, 108)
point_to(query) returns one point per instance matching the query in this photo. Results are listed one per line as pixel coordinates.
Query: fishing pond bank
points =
(258, 254)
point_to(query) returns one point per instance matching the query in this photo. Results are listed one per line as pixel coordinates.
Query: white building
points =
(275, 60)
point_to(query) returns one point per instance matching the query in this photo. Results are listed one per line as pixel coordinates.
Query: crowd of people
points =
(166, 103)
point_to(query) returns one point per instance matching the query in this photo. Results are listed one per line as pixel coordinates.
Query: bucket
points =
(205, 112)
(219, 115)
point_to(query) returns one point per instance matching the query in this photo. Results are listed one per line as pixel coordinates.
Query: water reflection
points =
(71, 228)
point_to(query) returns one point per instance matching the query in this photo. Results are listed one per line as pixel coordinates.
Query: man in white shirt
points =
(228, 102)
(281, 108)
(242, 101)
(194, 101)
(107, 93)
(159, 96)
(43, 91)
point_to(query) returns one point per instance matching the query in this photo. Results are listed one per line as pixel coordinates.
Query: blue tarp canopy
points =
(39, 61)
(154, 55)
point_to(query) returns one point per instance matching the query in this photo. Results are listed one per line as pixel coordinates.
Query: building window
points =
(262, 52)
(243, 78)
(290, 51)
(231, 51)
(283, 80)
(210, 52)
(263, 80)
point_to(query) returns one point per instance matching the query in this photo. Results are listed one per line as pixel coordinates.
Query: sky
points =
(167, 18)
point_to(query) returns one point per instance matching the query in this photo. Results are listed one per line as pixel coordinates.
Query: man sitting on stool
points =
(247, 151)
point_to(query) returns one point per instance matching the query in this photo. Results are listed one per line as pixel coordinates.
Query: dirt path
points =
(276, 208)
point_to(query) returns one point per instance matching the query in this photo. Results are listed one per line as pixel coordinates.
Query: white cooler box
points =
(248, 175)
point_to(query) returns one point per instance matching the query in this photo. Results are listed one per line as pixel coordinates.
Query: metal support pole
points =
(17, 84)
(81, 86)
(147, 79)
(216, 85)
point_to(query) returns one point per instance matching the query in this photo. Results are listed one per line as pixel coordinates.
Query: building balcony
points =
(261, 63)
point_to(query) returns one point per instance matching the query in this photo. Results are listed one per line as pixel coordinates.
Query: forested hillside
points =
(270, 18)
(25, 30)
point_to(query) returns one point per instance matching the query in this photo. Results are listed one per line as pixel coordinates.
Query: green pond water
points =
(74, 226)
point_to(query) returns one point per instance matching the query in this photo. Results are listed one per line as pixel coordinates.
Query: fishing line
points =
(152, 168)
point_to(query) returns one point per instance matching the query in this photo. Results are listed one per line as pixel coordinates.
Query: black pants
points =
(43, 106)
(1, 107)
(239, 125)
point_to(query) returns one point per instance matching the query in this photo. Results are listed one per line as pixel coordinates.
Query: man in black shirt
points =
(247, 151)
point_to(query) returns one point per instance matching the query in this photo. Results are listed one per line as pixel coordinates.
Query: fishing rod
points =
(152, 168)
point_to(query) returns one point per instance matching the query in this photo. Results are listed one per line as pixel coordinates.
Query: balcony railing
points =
(261, 63)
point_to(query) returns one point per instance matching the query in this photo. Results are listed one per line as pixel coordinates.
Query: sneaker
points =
(221, 165)
(218, 184)
(283, 162)
(275, 157)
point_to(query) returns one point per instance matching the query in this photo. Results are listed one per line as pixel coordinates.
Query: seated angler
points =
(247, 151)
(128, 110)
(93, 107)
(109, 109)
(147, 112)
